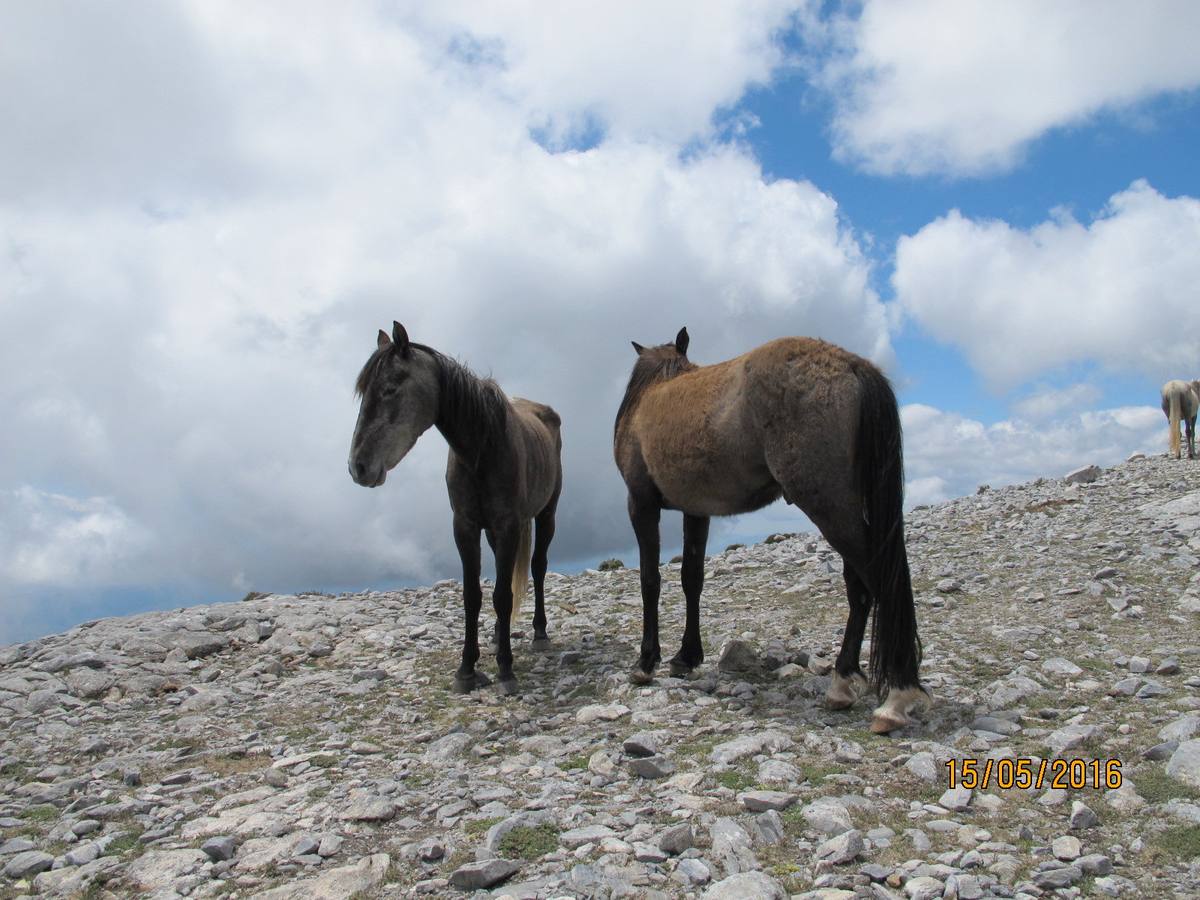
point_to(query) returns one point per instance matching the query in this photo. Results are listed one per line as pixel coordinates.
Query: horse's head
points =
(654, 364)
(399, 391)
(673, 355)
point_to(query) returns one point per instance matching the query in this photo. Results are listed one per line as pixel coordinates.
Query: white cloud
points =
(948, 455)
(952, 87)
(1018, 303)
(1048, 402)
(183, 342)
(52, 539)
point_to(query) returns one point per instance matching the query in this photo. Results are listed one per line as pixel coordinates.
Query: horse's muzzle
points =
(360, 474)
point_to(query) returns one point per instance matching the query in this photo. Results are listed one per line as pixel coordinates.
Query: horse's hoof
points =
(540, 644)
(844, 690)
(884, 724)
(507, 686)
(468, 683)
(681, 669)
(638, 676)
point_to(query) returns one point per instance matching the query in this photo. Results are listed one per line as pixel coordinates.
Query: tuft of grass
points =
(574, 762)
(734, 779)
(529, 842)
(124, 843)
(1156, 786)
(1181, 842)
(610, 565)
(479, 826)
(323, 761)
(318, 792)
(45, 813)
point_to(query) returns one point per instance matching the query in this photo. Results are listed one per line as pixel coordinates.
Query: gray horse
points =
(797, 418)
(504, 473)
(1180, 401)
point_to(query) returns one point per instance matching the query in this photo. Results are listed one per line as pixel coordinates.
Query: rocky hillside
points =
(310, 746)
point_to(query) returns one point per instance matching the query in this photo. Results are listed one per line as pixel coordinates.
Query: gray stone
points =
(1184, 763)
(1084, 475)
(220, 848)
(923, 766)
(1059, 877)
(651, 767)
(768, 827)
(28, 863)
(956, 799)
(1067, 848)
(589, 834)
(827, 816)
(447, 748)
(746, 886)
(368, 809)
(479, 875)
(738, 656)
(693, 872)
(923, 887)
(843, 848)
(1095, 864)
(1082, 816)
(677, 838)
(731, 846)
(359, 879)
(644, 743)
(749, 745)
(761, 801)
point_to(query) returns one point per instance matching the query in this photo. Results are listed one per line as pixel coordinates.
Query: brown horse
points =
(1180, 402)
(797, 418)
(504, 472)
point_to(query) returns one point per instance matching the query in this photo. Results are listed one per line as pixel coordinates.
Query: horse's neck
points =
(467, 415)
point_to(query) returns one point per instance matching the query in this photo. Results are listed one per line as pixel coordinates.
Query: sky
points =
(208, 209)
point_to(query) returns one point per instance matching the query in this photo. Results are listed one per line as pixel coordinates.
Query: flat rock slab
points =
(746, 886)
(749, 745)
(1184, 763)
(479, 875)
(761, 801)
(598, 712)
(336, 884)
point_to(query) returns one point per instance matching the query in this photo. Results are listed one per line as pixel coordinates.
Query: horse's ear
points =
(638, 347)
(681, 341)
(383, 339)
(400, 337)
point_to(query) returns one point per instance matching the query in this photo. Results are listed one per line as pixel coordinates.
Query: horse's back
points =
(1188, 393)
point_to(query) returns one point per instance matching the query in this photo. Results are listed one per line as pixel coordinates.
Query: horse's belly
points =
(713, 487)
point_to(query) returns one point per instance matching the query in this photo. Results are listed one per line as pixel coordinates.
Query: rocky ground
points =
(309, 746)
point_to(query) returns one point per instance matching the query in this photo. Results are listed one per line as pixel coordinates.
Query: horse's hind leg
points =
(645, 517)
(848, 679)
(695, 539)
(466, 537)
(1190, 425)
(544, 534)
(505, 542)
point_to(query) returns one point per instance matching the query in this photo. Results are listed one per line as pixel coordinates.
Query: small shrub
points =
(529, 842)
(1156, 786)
(1181, 842)
(610, 565)
(479, 826)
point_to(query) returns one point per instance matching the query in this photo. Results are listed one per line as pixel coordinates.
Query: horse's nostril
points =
(360, 471)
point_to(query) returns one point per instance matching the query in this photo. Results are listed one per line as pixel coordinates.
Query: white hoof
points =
(844, 691)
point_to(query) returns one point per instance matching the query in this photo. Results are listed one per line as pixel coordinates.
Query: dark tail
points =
(879, 459)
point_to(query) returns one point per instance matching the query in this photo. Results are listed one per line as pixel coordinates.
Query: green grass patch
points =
(45, 813)
(574, 762)
(479, 826)
(1156, 786)
(529, 842)
(734, 779)
(177, 743)
(321, 790)
(124, 843)
(1181, 842)
(323, 760)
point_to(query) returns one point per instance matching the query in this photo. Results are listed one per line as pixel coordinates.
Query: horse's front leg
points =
(506, 538)
(1190, 428)
(644, 517)
(466, 538)
(695, 540)
(543, 535)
